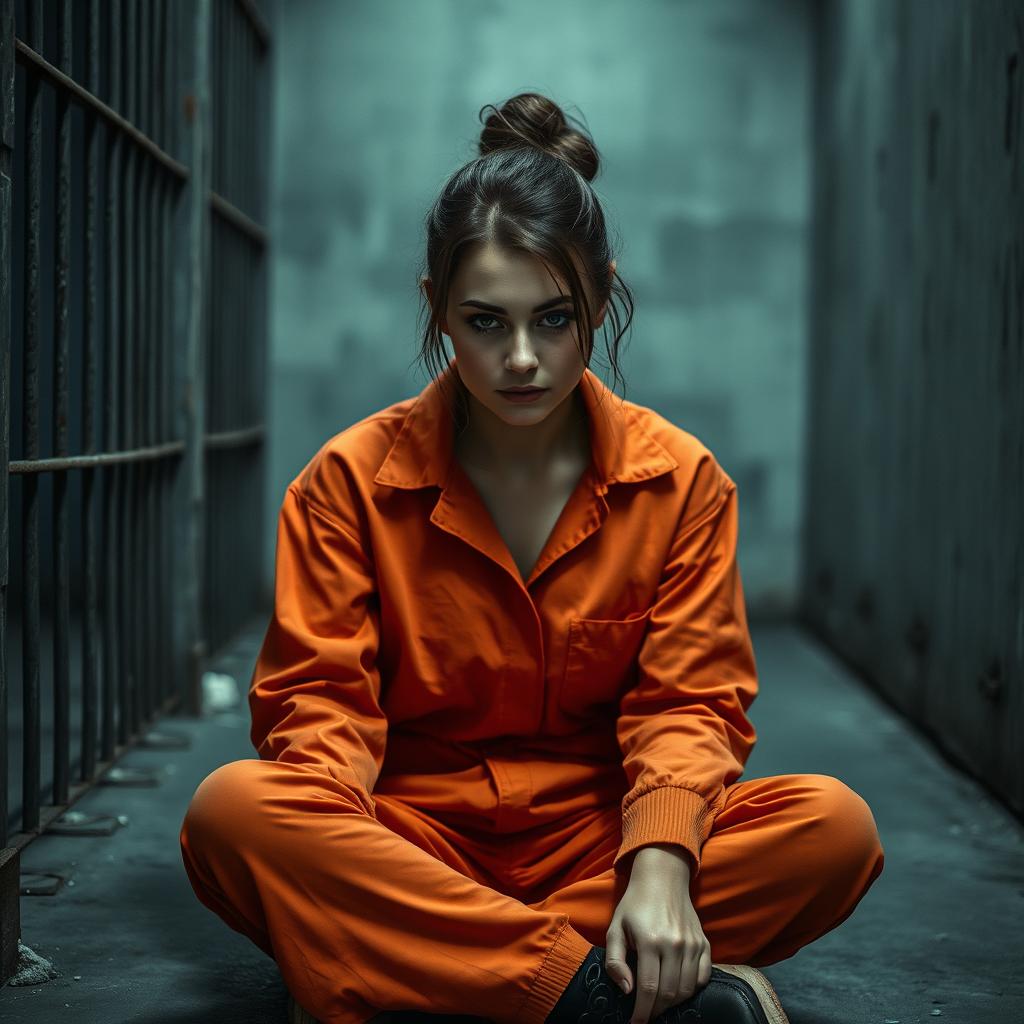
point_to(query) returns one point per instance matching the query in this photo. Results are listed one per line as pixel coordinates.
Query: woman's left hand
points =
(656, 918)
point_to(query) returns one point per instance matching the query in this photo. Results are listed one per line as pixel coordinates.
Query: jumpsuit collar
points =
(622, 450)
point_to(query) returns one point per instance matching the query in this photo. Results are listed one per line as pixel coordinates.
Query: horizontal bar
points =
(223, 439)
(233, 438)
(28, 57)
(234, 216)
(156, 451)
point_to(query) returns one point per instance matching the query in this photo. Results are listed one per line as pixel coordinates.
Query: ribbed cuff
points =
(668, 814)
(567, 953)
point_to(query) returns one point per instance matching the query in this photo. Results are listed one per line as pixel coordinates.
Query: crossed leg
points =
(788, 859)
(402, 911)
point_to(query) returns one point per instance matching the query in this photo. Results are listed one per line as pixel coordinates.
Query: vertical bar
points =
(136, 394)
(129, 676)
(233, 498)
(135, 57)
(140, 388)
(149, 411)
(140, 625)
(163, 270)
(225, 478)
(222, 139)
(91, 624)
(226, 510)
(249, 456)
(149, 67)
(239, 104)
(159, 382)
(143, 608)
(30, 484)
(228, 483)
(239, 456)
(244, 455)
(174, 91)
(164, 343)
(215, 413)
(152, 431)
(161, 74)
(61, 412)
(211, 336)
(230, 101)
(248, 121)
(262, 115)
(216, 96)
(194, 376)
(251, 541)
(6, 154)
(222, 297)
(113, 665)
(166, 383)
(245, 100)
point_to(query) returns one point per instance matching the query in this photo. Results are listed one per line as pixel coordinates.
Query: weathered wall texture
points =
(700, 111)
(915, 510)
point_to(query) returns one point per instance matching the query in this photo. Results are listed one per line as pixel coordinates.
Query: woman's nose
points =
(522, 355)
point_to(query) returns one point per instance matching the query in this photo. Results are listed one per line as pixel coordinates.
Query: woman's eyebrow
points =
(536, 309)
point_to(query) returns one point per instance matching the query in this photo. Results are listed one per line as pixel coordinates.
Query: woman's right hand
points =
(656, 917)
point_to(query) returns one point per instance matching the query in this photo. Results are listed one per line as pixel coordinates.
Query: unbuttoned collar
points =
(622, 451)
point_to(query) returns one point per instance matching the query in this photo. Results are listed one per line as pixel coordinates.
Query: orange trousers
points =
(403, 911)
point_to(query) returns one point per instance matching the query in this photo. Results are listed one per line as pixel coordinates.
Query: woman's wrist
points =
(664, 854)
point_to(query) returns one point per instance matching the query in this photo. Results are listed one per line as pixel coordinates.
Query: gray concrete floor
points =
(938, 937)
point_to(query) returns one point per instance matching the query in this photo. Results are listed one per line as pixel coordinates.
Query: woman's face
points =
(512, 324)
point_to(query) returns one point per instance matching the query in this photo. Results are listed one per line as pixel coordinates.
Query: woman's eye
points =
(565, 320)
(475, 321)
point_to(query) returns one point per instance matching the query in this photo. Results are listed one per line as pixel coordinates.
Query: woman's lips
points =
(523, 396)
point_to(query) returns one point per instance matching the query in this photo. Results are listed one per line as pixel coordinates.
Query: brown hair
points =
(529, 189)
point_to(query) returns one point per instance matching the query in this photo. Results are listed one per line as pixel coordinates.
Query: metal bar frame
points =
(172, 161)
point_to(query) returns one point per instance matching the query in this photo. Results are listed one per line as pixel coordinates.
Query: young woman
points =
(501, 704)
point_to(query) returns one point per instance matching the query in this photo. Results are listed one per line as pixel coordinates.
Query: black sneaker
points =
(735, 994)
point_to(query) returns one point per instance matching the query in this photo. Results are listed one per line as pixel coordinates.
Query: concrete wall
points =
(701, 113)
(914, 563)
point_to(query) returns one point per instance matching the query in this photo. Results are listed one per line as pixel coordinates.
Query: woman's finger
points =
(615, 957)
(688, 974)
(704, 966)
(685, 969)
(648, 978)
(671, 973)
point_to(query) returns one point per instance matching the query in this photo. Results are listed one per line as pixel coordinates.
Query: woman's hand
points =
(656, 918)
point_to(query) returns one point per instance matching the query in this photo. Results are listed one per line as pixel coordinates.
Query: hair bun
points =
(530, 119)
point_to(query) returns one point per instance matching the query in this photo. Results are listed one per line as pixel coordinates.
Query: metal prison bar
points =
(133, 155)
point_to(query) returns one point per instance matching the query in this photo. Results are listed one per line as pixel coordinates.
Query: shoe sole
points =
(766, 995)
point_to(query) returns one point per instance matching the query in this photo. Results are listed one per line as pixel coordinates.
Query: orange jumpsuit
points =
(455, 765)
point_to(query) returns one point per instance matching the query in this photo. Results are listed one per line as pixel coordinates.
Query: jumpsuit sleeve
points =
(682, 727)
(315, 690)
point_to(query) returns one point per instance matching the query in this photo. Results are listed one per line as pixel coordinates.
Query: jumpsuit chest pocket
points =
(600, 662)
